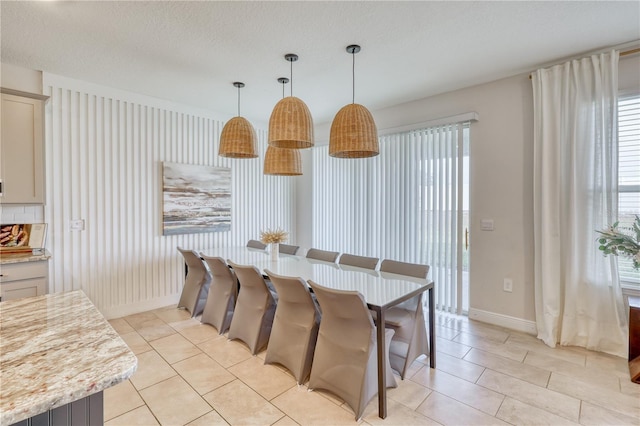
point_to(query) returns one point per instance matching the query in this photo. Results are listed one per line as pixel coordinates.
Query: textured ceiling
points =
(191, 52)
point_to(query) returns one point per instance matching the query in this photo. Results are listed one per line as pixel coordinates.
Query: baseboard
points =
(505, 321)
(142, 306)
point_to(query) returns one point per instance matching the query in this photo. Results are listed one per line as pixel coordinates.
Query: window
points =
(628, 175)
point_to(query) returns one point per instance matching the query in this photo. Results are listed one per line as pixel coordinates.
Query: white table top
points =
(378, 288)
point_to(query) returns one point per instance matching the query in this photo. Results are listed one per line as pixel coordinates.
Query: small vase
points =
(275, 249)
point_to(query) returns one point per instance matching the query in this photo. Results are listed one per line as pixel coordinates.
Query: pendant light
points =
(282, 161)
(238, 138)
(353, 131)
(290, 124)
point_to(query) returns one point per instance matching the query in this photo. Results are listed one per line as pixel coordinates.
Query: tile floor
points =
(485, 375)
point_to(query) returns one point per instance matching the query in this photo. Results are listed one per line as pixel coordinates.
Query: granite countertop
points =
(55, 349)
(30, 256)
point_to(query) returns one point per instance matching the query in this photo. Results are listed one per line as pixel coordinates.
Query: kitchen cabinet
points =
(22, 148)
(24, 279)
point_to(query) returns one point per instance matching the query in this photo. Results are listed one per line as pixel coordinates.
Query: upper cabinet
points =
(22, 148)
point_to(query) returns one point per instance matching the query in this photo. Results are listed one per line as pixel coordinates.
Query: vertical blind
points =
(405, 204)
(628, 174)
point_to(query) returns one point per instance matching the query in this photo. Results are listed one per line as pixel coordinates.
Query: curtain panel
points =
(578, 298)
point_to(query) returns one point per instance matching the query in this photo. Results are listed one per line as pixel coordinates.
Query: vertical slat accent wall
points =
(104, 154)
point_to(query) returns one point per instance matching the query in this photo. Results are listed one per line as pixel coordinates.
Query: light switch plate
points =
(486, 224)
(76, 225)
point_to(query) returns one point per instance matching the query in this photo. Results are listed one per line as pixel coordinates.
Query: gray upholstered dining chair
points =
(223, 292)
(407, 319)
(288, 249)
(359, 261)
(295, 326)
(256, 244)
(326, 256)
(196, 283)
(255, 308)
(345, 359)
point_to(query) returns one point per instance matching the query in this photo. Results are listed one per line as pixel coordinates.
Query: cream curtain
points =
(577, 291)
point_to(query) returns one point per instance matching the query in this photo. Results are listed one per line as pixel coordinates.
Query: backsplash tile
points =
(21, 214)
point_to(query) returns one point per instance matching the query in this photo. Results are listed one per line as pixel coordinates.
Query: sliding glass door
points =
(410, 203)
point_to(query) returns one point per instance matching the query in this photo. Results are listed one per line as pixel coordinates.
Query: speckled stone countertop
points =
(32, 256)
(55, 349)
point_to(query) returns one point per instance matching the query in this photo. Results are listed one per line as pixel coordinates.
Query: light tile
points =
(609, 363)
(448, 411)
(528, 373)
(408, 393)
(450, 348)
(446, 332)
(203, 373)
(138, 320)
(141, 416)
(628, 387)
(466, 392)
(156, 331)
(267, 380)
(225, 352)
(584, 374)
(628, 405)
(175, 348)
(121, 326)
(531, 343)
(553, 402)
(397, 414)
(199, 333)
(212, 418)
(519, 413)
(185, 323)
(285, 421)
(458, 367)
(594, 415)
(120, 399)
(310, 408)
(486, 331)
(151, 370)
(172, 314)
(173, 401)
(506, 351)
(238, 404)
(136, 343)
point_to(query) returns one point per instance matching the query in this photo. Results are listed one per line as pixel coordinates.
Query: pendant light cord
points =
(353, 78)
(238, 101)
(291, 73)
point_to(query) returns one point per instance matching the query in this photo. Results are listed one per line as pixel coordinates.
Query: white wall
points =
(501, 186)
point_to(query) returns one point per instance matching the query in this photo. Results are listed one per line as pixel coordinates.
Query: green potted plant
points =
(622, 241)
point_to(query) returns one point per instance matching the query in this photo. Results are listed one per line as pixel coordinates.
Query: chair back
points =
(196, 283)
(359, 261)
(293, 297)
(325, 256)
(256, 244)
(196, 270)
(288, 249)
(222, 294)
(251, 280)
(403, 268)
(345, 315)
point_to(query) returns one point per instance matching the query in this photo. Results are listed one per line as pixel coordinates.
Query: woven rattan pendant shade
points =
(291, 125)
(282, 162)
(238, 139)
(353, 133)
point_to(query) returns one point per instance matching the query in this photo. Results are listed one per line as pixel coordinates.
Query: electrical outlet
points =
(76, 225)
(508, 285)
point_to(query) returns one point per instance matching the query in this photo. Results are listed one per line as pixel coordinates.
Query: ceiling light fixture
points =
(238, 138)
(290, 124)
(353, 131)
(282, 161)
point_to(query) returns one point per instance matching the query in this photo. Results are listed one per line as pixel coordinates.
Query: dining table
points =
(381, 291)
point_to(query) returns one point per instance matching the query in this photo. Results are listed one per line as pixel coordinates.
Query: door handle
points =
(466, 238)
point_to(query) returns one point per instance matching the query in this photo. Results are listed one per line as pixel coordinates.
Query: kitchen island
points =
(57, 355)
